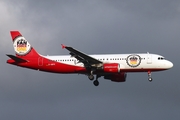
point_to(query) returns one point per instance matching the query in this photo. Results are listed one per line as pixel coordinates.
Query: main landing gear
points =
(149, 76)
(96, 82)
(91, 77)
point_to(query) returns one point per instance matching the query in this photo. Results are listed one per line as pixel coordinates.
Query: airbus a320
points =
(112, 67)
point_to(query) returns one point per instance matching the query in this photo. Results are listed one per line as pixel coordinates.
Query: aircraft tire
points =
(96, 83)
(91, 77)
(150, 79)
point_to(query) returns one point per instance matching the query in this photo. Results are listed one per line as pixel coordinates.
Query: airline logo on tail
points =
(21, 46)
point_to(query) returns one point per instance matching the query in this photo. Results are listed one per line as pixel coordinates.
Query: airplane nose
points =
(170, 64)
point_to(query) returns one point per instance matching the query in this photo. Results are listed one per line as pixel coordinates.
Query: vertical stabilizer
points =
(21, 46)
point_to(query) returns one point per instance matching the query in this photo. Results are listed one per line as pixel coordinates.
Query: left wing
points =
(82, 57)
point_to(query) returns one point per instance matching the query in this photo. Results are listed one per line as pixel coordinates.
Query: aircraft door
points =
(40, 61)
(149, 58)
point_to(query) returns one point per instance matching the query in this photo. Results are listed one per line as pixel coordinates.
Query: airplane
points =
(112, 67)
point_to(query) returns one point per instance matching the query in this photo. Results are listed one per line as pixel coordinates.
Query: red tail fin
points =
(21, 46)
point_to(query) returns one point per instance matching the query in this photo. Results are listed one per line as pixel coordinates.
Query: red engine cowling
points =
(121, 77)
(111, 67)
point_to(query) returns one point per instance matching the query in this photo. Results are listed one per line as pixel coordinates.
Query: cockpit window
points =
(161, 58)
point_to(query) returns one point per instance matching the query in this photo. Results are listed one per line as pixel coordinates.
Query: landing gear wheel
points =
(91, 77)
(150, 79)
(96, 83)
(149, 76)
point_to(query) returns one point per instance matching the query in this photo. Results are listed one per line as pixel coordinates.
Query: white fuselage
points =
(142, 61)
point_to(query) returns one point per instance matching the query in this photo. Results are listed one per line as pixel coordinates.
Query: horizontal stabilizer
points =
(17, 59)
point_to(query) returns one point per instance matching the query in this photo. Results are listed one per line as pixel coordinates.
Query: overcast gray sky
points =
(92, 26)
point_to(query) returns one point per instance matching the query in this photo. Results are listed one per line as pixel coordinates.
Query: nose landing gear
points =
(149, 76)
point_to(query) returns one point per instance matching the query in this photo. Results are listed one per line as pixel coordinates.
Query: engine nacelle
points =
(121, 77)
(111, 67)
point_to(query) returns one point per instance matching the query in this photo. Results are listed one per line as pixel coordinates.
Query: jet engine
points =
(111, 67)
(121, 77)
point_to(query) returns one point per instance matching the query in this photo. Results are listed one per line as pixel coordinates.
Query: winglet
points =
(63, 46)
